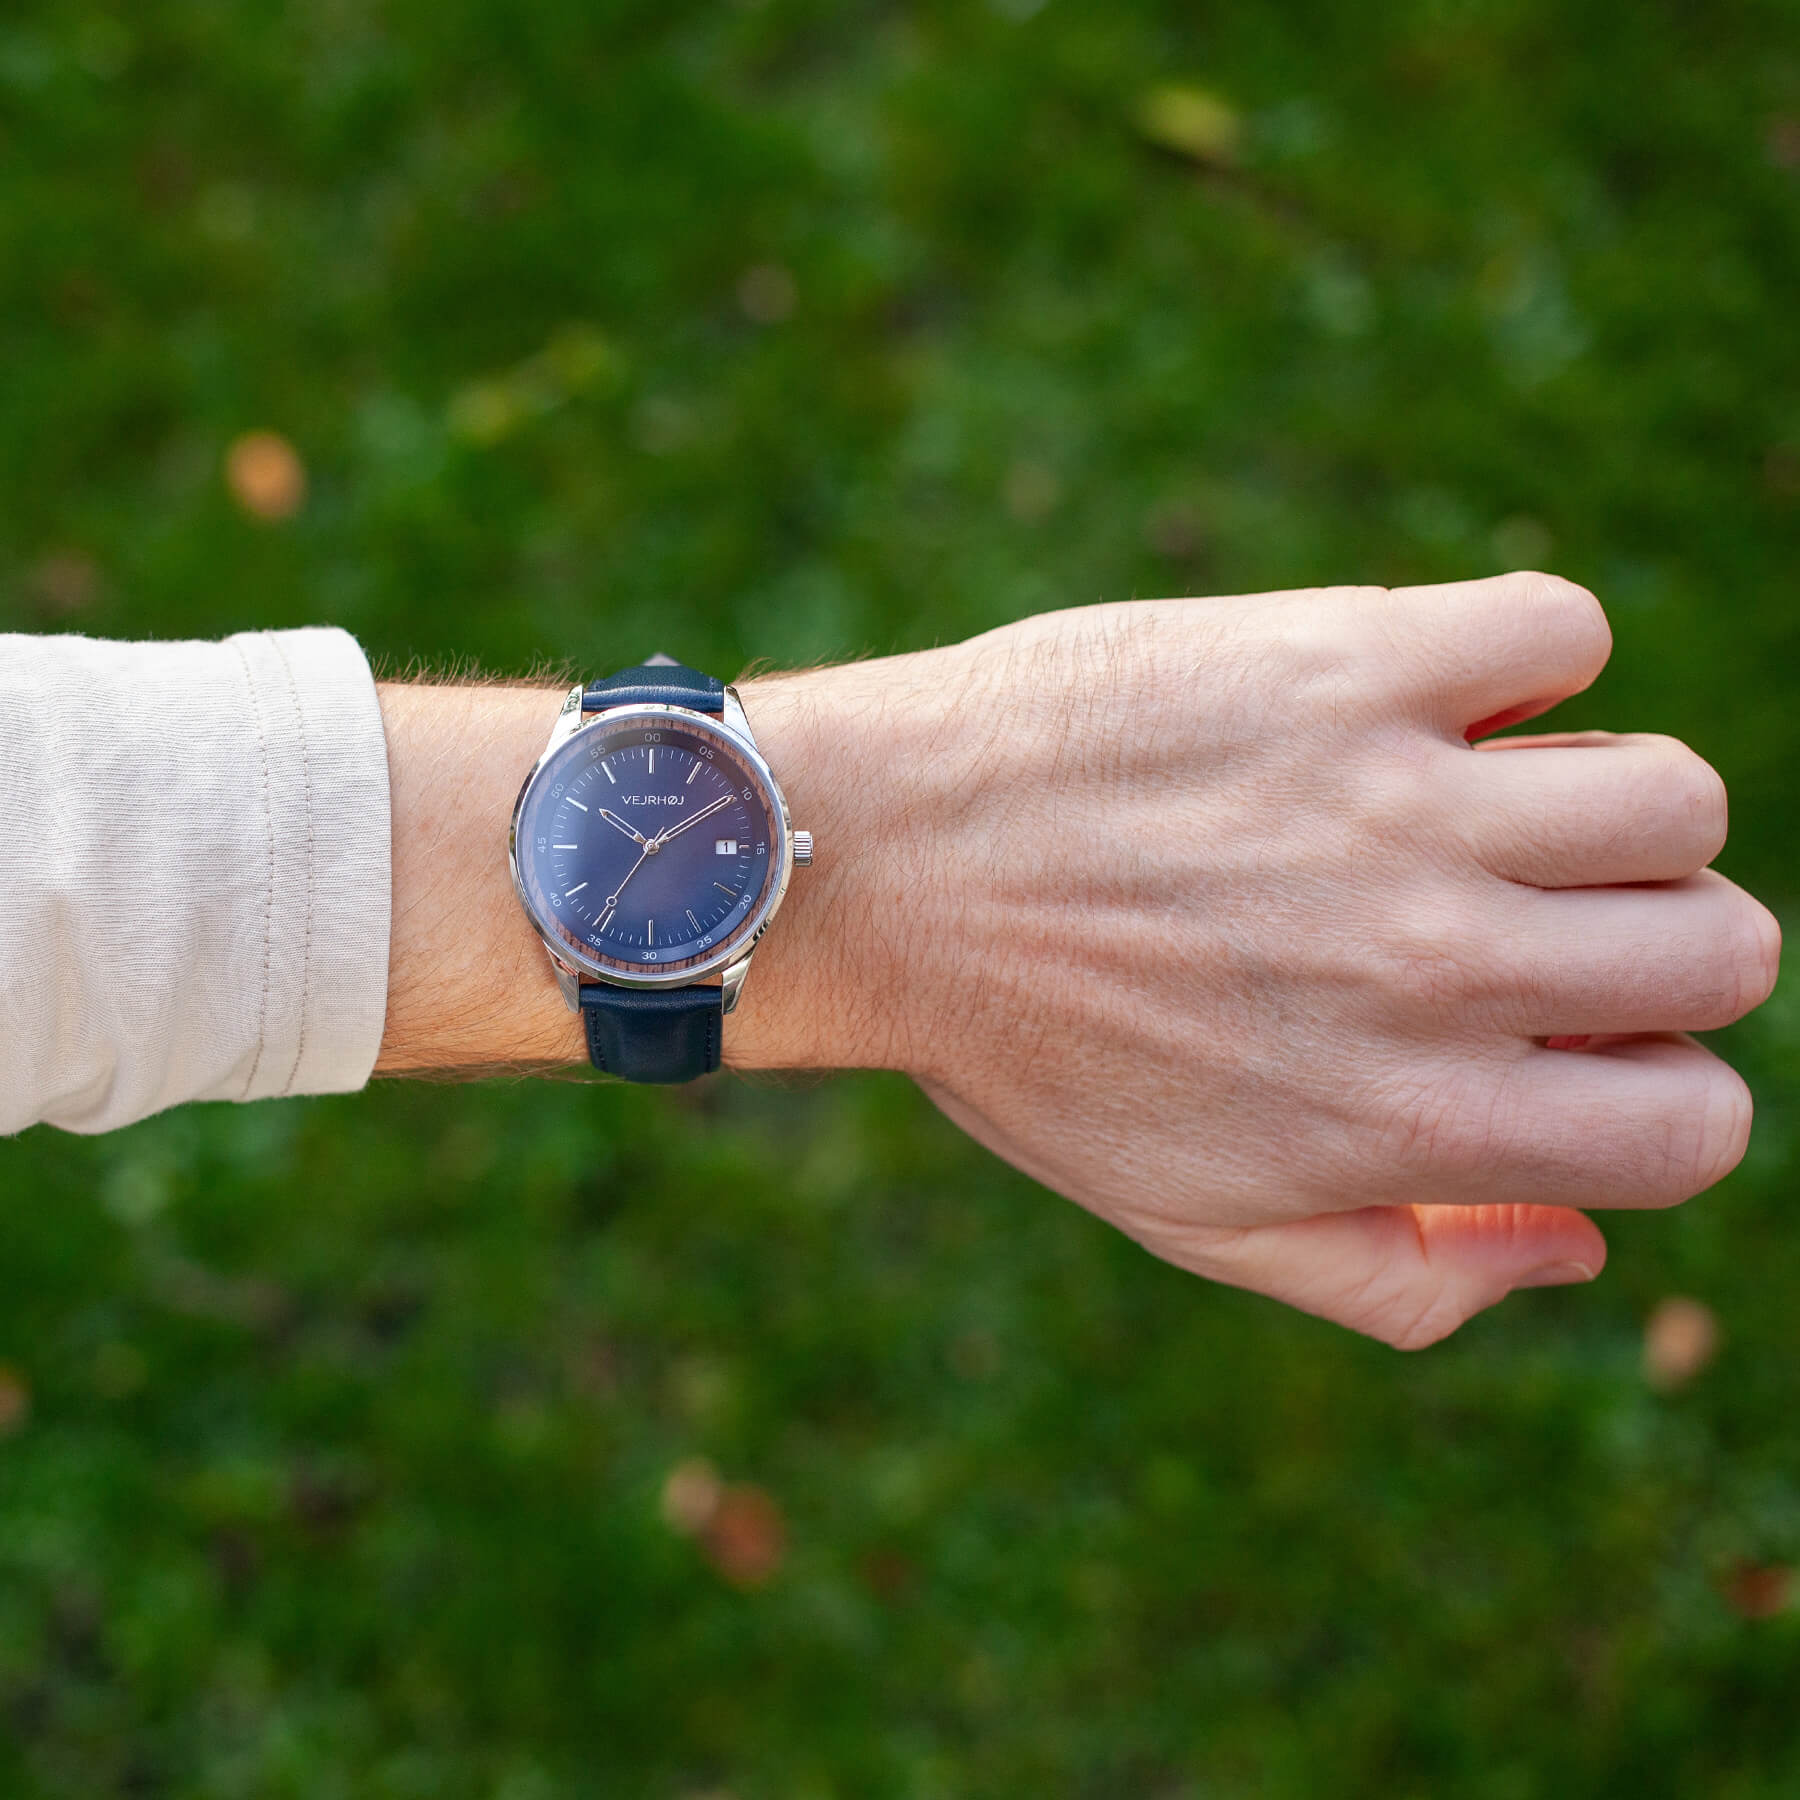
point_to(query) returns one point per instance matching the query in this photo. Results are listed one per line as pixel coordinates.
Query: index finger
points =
(1469, 653)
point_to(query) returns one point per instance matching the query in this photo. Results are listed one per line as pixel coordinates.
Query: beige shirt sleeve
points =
(194, 874)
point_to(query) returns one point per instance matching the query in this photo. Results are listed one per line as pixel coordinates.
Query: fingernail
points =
(1559, 1274)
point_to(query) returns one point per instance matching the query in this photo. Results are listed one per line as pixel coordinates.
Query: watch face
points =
(648, 845)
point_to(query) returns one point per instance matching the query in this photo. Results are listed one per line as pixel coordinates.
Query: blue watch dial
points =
(646, 846)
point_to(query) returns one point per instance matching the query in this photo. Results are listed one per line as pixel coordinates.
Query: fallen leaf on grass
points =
(746, 1536)
(15, 1399)
(1759, 1590)
(266, 476)
(1681, 1337)
(739, 1526)
(690, 1496)
(1191, 121)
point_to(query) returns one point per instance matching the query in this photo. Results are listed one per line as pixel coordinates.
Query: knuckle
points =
(1695, 1142)
(1403, 1300)
(1733, 970)
(1566, 609)
(1768, 948)
(1710, 1142)
(1755, 958)
(1393, 797)
(1685, 783)
(1324, 636)
(1424, 1322)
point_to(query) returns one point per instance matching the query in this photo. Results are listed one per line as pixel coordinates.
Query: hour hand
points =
(618, 824)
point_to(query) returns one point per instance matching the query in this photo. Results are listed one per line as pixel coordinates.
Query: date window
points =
(725, 847)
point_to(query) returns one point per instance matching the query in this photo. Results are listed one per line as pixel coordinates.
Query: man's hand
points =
(1205, 914)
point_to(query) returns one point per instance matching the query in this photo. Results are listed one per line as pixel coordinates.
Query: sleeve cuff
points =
(195, 887)
(321, 773)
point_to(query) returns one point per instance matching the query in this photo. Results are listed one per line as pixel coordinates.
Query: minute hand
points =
(706, 812)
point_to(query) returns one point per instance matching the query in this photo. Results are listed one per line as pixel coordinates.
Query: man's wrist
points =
(826, 988)
(470, 987)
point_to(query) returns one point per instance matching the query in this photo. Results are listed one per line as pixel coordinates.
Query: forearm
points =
(1204, 914)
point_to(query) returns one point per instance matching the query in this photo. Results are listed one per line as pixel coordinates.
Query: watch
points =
(650, 847)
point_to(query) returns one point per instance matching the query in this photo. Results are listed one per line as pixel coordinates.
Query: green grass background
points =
(348, 1418)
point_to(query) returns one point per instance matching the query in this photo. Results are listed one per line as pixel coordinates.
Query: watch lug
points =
(733, 717)
(568, 983)
(568, 721)
(731, 984)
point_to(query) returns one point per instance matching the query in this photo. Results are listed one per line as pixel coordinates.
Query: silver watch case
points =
(731, 961)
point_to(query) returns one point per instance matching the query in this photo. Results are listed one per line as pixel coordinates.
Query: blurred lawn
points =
(335, 1432)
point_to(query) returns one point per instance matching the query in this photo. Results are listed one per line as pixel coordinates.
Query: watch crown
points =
(802, 848)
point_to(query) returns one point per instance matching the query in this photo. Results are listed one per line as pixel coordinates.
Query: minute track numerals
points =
(652, 848)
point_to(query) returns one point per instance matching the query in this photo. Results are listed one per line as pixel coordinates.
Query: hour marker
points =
(723, 889)
(565, 846)
(693, 921)
(695, 770)
(576, 889)
(610, 776)
(652, 925)
(652, 759)
(725, 847)
(574, 802)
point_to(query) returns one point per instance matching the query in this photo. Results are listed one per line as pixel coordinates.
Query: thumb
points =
(1409, 1275)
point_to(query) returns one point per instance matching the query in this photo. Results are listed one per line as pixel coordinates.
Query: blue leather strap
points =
(658, 682)
(653, 1034)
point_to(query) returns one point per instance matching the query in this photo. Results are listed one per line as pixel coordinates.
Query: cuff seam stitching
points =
(262, 746)
(312, 868)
